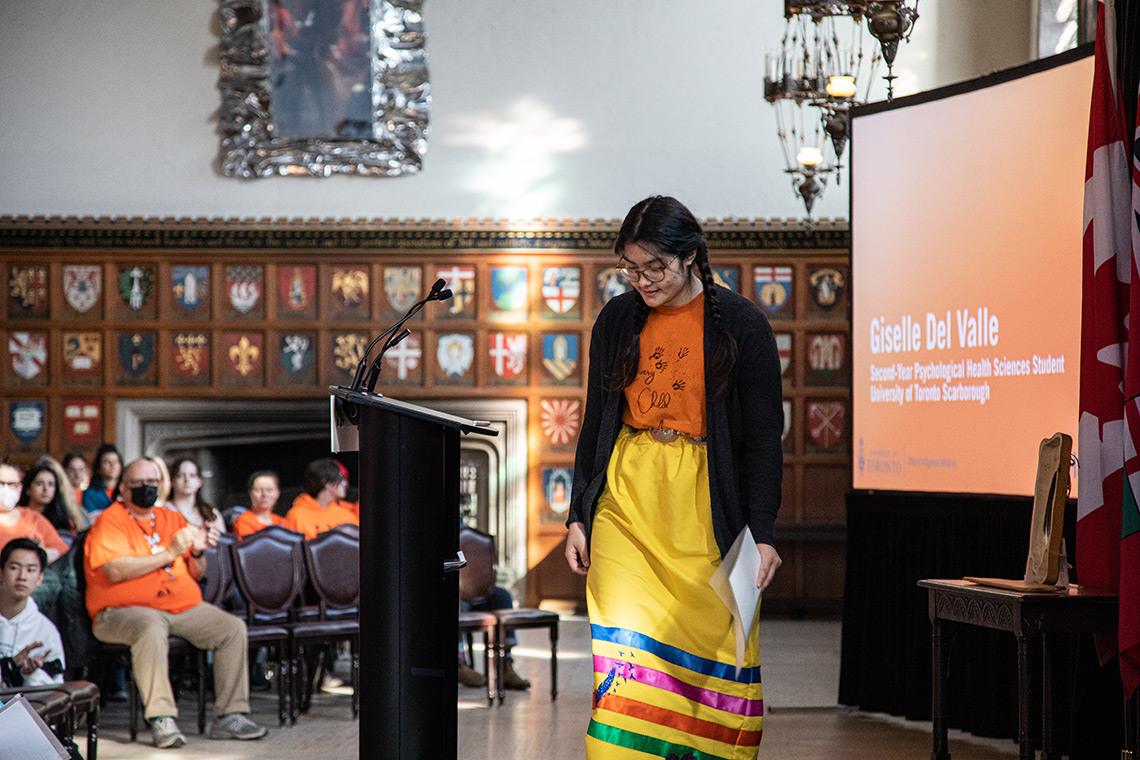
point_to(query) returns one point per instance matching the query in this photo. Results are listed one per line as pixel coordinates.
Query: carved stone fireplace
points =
(493, 478)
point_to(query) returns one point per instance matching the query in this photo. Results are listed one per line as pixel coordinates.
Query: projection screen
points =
(966, 212)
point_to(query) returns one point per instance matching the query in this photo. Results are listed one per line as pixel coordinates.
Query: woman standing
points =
(186, 481)
(679, 451)
(104, 488)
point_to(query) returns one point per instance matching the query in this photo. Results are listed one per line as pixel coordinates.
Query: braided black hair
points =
(666, 226)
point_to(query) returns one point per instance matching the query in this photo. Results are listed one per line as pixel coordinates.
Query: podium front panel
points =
(409, 524)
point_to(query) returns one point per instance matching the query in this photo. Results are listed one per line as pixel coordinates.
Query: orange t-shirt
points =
(247, 523)
(310, 518)
(116, 534)
(35, 526)
(669, 390)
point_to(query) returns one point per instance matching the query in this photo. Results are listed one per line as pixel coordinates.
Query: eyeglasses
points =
(652, 274)
(11, 483)
(137, 483)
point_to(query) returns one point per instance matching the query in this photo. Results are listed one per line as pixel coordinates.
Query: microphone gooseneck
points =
(367, 375)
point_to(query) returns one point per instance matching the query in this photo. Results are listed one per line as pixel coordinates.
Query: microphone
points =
(437, 293)
(361, 368)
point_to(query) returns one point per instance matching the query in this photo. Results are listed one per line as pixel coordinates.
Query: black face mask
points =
(144, 497)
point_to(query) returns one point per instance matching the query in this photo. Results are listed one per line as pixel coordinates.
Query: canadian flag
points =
(1109, 433)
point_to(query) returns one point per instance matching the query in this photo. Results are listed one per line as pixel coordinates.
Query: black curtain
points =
(895, 540)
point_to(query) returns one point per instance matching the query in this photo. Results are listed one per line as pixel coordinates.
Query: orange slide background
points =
(983, 208)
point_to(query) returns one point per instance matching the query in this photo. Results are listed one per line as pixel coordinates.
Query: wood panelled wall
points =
(99, 310)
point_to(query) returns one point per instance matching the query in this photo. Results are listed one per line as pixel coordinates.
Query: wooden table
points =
(1032, 618)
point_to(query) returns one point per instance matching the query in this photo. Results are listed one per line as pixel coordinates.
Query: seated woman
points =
(186, 482)
(78, 474)
(264, 490)
(72, 500)
(43, 495)
(21, 522)
(104, 488)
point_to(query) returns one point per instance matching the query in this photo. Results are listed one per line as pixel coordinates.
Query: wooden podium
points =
(409, 580)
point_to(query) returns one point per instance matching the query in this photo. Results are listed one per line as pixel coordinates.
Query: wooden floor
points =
(802, 721)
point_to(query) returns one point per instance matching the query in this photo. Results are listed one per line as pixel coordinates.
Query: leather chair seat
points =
(526, 618)
(50, 705)
(84, 695)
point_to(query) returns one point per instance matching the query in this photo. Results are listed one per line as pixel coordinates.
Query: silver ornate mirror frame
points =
(391, 141)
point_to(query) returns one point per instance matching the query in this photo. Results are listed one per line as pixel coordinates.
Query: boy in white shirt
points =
(31, 653)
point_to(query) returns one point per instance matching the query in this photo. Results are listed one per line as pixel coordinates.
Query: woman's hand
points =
(577, 555)
(769, 563)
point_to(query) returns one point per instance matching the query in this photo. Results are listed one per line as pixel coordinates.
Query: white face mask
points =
(8, 497)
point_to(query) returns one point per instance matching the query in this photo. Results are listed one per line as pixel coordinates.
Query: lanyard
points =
(152, 540)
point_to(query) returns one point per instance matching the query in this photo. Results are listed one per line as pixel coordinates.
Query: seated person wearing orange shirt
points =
(21, 522)
(320, 507)
(351, 506)
(77, 474)
(141, 566)
(264, 490)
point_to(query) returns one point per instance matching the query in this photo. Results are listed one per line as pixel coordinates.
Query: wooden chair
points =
(269, 573)
(332, 560)
(471, 622)
(219, 581)
(477, 583)
(232, 514)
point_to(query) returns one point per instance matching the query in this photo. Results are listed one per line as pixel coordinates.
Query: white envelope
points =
(24, 735)
(735, 583)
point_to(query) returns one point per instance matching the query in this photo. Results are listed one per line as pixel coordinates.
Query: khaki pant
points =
(145, 631)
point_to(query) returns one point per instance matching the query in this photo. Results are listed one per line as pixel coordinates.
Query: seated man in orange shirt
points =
(141, 566)
(320, 506)
(21, 522)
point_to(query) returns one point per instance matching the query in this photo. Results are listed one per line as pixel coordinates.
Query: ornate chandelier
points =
(815, 80)
(888, 21)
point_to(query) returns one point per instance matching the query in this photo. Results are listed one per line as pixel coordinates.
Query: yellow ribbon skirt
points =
(665, 681)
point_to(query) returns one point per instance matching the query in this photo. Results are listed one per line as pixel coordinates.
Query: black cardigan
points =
(744, 428)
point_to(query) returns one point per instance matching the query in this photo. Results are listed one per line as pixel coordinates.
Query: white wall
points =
(541, 109)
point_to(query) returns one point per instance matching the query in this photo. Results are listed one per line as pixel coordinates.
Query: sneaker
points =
(236, 726)
(511, 679)
(165, 732)
(468, 676)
